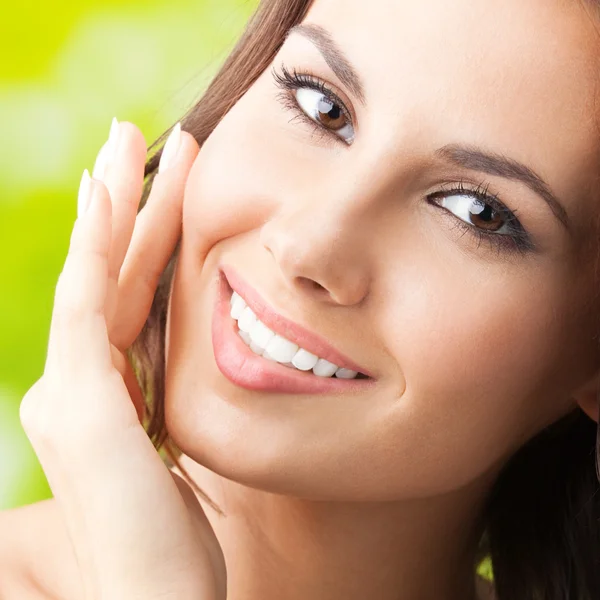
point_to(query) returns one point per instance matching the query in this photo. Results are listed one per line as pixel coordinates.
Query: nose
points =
(321, 248)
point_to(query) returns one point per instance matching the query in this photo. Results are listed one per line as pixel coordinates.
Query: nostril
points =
(312, 284)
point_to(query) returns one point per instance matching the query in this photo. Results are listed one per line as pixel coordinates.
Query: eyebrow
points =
(465, 156)
(471, 157)
(333, 56)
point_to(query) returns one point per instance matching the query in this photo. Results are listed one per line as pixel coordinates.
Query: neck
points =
(283, 547)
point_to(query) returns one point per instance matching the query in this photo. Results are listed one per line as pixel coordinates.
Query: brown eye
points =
(485, 217)
(325, 111)
(330, 114)
(474, 211)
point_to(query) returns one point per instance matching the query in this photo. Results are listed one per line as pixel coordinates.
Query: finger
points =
(78, 331)
(123, 175)
(157, 230)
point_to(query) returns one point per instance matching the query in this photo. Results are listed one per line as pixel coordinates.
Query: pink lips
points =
(248, 370)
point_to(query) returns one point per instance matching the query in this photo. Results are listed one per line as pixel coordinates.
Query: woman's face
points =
(476, 320)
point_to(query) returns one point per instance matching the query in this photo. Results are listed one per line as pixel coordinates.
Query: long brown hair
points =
(542, 519)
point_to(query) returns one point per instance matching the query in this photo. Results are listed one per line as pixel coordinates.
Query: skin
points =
(475, 348)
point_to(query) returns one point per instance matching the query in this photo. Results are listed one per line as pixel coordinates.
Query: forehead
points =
(517, 77)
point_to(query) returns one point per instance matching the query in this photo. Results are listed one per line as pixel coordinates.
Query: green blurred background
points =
(66, 69)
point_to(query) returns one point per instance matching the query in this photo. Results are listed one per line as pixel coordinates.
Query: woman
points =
(396, 202)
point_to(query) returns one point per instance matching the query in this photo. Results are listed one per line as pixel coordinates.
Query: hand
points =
(137, 529)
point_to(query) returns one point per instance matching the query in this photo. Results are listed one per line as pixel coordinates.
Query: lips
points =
(246, 369)
(288, 329)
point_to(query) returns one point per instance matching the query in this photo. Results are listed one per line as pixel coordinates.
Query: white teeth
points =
(268, 356)
(237, 306)
(304, 360)
(245, 336)
(247, 320)
(261, 335)
(346, 373)
(266, 343)
(256, 349)
(324, 368)
(280, 349)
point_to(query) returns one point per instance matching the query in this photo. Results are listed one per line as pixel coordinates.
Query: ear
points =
(587, 397)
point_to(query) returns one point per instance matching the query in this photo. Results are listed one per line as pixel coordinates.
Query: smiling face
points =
(436, 228)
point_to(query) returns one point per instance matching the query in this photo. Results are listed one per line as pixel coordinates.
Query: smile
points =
(272, 346)
(259, 349)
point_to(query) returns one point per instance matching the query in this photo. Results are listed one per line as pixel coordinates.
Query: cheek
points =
(242, 174)
(480, 358)
(220, 198)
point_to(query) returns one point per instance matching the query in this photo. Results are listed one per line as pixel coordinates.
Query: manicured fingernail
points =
(107, 152)
(170, 149)
(85, 190)
(113, 137)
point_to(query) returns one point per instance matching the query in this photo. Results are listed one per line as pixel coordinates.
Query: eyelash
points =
(517, 241)
(290, 82)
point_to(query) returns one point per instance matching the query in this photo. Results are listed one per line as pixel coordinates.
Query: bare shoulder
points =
(36, 550)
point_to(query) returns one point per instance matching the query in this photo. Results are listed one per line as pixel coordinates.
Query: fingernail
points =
(113, 137)
(107, 152)
(170, 149)
(83, 197)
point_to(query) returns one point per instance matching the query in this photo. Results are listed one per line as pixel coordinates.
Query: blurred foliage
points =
(66, 69)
